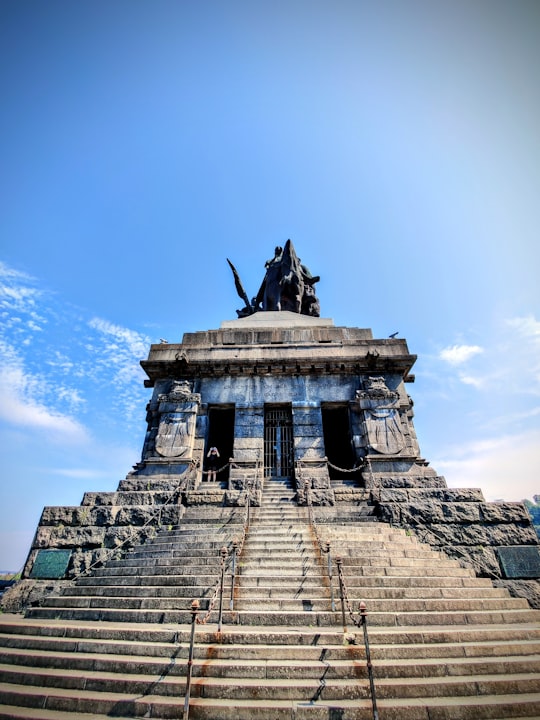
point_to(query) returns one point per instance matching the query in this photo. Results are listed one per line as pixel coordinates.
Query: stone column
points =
(309, 453)
(248, 449)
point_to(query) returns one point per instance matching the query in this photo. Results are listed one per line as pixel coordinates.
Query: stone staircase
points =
(445, 645)
(281, 572)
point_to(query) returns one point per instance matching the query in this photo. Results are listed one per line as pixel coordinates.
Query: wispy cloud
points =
(118, 353)
(64, 365)
(459, 354)
(20, 404)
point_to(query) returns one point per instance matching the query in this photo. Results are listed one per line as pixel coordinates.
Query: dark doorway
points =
(221, 435)
(337, 441)
(278, 441)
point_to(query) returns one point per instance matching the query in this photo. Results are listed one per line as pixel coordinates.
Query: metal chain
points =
(345, 470)
(323, 544)
(205, 619)
(346, 596)
(221, 469)
(245, 526)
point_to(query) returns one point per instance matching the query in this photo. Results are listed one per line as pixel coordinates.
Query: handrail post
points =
(194, 612)
(363, 618)
(339, 562)
(329, 560)
(233, 572)
(223, 553)
(248, 503)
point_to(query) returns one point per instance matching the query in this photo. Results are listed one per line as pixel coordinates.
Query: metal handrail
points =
(238, 545)
(219, 590)
(361, 621)
(324, 545)
(194, 618)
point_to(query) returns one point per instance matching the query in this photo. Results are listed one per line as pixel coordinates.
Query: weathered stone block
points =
(511, 534)
(504, 512)
(312, 444)
(68, 537)
(481, 559)
(53, 515)
(461, 512)
(206, 497)
(463, 495)
(411, 482)
(529, 589)
(136, 515)
(248, 443)
(422, 514)
(393, 495)
(389, 513)
(310, 431)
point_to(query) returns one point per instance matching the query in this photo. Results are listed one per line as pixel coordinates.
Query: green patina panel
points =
(521, 561)
(50, 564)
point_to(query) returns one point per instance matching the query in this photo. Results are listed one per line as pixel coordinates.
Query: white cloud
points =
(505, 467)
(8, 272)
(470, 380)
(119, 358)
(134, 342)
(21, 401)
(528, 326)
(459, 354)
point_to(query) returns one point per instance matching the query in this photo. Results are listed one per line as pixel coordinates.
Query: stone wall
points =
(461, 523)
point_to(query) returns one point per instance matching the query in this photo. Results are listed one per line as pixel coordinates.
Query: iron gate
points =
(278, 442)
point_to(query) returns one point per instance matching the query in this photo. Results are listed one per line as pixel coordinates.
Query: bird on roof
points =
(393, 335)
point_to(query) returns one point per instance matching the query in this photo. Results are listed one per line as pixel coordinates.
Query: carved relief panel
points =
(177, 413)
(382, 419)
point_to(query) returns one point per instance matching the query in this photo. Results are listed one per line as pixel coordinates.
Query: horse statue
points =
(287, 285)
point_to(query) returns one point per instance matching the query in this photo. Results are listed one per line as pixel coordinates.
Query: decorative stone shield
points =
(381, 416)
(175, 434)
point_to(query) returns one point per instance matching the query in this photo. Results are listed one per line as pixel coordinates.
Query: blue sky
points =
(142, 143)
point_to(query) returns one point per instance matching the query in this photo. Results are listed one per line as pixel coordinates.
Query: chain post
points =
(223, 553)
(248, 503)
(339, 562)
(194, 612)
(233, 572)
(363, 619)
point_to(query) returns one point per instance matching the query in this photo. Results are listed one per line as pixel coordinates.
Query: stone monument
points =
(283, 393)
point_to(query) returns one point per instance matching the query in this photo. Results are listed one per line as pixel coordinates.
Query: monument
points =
(283, 392)
(308, 426)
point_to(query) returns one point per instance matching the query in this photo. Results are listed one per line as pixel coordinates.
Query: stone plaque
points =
(520, 561)
(50, 564)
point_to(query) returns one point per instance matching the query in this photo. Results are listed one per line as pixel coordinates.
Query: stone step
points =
(165, 591)
(271, 635)
(376, 594)
(172, 560)
(148, 580)
(499, 707)
(129, 602)
(287, 618)
(381, 570)
(431, 570)
(174, 568)
(98, 691)
(53, 668)
(80, 650)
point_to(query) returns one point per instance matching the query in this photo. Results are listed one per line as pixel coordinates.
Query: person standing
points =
(213, 462)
